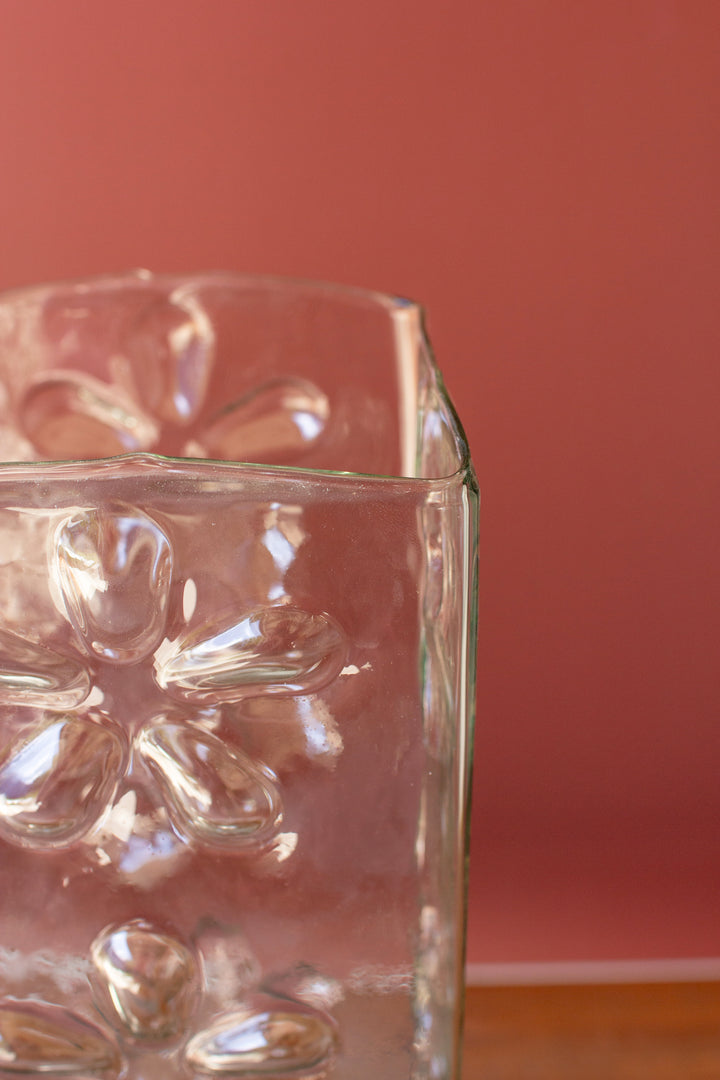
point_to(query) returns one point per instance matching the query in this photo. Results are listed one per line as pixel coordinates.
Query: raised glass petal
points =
(171, 347)
(33, 675)
(146, 980)
(275, 650)
(67, 414)
(57, 777)
(113, 567)
(213, 792)
(37, 1037)
(276, 421)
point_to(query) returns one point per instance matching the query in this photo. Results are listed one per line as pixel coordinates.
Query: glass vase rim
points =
(393, 304)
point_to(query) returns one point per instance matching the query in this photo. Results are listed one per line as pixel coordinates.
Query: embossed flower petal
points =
(277, 650)
(57, 778)
(113, 567)
(172, 348)
(213, 793)
(36, 1037)
(146, 980)
(274, 422)
(269, 1037)
(67, 414)
(33, 675)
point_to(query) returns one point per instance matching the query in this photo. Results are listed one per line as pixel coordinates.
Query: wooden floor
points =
(645, 1032)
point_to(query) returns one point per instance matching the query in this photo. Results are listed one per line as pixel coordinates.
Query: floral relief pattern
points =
(73, 772)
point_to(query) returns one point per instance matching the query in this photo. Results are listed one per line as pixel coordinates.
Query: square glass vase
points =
(238, 532)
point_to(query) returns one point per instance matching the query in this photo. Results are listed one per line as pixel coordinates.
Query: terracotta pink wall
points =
(543, 174)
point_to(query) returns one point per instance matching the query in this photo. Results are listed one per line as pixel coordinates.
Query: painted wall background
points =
(544, 175)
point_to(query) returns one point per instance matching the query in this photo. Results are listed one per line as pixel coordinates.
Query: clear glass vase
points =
(237, 589)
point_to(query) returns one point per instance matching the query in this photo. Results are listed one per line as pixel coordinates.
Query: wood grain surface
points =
(628, 1032)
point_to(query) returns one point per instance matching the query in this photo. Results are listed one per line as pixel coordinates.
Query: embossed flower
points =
(125, 694)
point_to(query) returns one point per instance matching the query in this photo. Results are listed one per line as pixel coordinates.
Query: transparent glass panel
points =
(237, 584)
